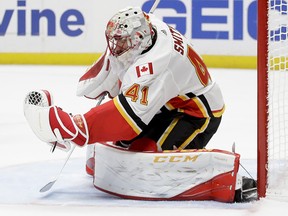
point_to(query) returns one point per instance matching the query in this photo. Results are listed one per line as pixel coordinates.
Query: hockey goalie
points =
(164, 109)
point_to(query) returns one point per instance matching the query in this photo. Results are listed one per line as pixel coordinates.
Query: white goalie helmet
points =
(128, 34)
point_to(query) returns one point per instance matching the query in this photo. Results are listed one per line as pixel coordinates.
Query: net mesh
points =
(277, 100)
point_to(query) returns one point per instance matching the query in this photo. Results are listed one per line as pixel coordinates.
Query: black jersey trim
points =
(130, 112)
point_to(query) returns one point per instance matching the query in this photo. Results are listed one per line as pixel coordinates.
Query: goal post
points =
(262, 82)
(272, 123)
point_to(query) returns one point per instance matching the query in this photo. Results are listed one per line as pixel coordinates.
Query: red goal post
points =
(272, 69)
(262, 82)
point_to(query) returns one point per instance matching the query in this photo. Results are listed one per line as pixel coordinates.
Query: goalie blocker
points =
(169, 175)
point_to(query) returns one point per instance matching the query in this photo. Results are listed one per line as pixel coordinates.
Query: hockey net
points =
(273, 99)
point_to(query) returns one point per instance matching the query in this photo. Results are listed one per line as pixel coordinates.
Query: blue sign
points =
(198, 18)
(65, 22)
(71, 22)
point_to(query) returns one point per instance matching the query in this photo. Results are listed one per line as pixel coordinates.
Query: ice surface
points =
(26, 164)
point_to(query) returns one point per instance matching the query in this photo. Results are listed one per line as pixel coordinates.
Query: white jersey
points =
(170, 76)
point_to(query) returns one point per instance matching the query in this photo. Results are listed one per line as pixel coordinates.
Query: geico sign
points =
(220, 19)
(70, 21)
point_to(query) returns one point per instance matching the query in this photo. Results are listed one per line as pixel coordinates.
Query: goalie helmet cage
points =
(272, 67)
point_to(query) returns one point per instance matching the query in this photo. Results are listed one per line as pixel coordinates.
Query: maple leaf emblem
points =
(144, 69)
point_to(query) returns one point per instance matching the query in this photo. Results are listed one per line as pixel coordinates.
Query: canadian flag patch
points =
(144, 69)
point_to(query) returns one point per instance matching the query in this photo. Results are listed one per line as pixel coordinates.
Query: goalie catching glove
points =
(51, 124)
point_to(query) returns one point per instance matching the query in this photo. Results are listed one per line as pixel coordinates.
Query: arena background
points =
(71, 32)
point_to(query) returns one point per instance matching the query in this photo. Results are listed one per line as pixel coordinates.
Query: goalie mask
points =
(128, 34)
